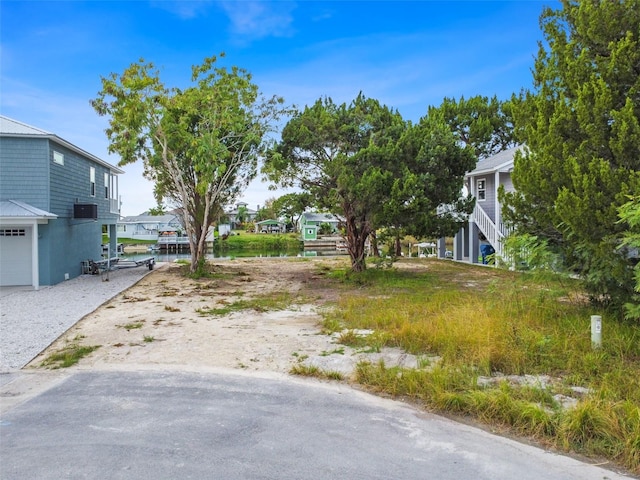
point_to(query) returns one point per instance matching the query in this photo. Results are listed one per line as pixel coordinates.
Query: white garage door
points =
(15, 256)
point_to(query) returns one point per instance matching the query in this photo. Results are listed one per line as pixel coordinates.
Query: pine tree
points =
(581, 124)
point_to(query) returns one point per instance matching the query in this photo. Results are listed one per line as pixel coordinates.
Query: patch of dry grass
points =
(484, 321)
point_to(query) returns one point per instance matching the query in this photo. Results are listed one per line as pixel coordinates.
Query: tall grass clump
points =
(484, 322)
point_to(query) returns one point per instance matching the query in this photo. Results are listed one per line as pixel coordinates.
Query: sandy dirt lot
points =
(164, 322)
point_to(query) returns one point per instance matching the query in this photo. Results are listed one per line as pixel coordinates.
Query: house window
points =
(58, 158)
(106, 185)
(12, 232)
(92, 181)
(481, 191)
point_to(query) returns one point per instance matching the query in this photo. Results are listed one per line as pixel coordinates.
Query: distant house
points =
(56, 201)
(270, 226)
(234, 215)
(309, 219)
(485, 229)
(148, 227)
(309, 232)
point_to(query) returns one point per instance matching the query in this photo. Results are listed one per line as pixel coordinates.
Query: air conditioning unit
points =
(85, 210)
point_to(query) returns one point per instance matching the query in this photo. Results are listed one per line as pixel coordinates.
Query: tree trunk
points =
(398, 246)
(194, 245)
(374, 245)
(197, 242)
(357, 233)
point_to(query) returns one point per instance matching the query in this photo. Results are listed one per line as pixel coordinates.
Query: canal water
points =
(163, 256)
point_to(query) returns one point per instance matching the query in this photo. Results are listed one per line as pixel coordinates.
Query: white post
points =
(496, 202)
(105, 278)
(596, 331)
(35, 266)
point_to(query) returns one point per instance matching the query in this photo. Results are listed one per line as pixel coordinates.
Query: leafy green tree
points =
(268, 211)
(340, 155)
(242, 215)
(482, 123)
(292, 205)
(157, 210)
(428, 175)
(581, 126)
(630, 216)
(363, 163)
(199, 145)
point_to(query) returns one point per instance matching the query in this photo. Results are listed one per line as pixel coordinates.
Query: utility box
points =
(85, 210)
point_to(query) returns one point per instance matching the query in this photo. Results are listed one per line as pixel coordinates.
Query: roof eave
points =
(69, 145)
(26, 220)
(502, 168)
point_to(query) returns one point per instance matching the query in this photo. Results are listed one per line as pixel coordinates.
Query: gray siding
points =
(44, 253)
(505, 179)
(25, 171)
(69, 245)
(29, 174)
(491, 200)
(73, 241)
(70, 184)
(489, 203)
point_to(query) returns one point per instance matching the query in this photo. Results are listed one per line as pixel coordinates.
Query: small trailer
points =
(96, 267)
(147, 261)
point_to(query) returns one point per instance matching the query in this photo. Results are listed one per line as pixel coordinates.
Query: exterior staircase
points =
(494, 234)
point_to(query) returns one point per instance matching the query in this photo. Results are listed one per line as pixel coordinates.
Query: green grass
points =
(130, 241)
(314, 371)
(268, 302)
(132, 326)
(68, 356)
(260, 242)
(481, 321)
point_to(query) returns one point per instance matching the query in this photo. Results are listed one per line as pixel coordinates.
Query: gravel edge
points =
(30, 320)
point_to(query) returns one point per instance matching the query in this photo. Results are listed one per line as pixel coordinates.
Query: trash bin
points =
(486, 250)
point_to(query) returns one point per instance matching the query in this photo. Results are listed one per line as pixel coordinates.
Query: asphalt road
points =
(170, 425)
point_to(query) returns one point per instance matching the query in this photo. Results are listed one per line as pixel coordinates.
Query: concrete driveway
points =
(222, 425)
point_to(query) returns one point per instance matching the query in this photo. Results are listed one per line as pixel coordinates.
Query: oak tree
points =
(365, 164)
(340, 155)
(482, 123)
(425, 198)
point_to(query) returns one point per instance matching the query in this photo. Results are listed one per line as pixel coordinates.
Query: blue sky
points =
(407, 54)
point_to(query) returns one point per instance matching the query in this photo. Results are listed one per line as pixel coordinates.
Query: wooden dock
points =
(325, 243)
(173, 243)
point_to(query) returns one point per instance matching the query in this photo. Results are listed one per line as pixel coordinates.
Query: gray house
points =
(56, 200)
(249, 214)
(485, 228)
(148, 227)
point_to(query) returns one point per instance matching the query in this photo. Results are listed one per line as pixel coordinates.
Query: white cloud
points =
(184, 9)
(259, 19)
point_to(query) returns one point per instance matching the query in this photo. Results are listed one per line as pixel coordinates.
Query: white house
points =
(485, 224)
(148, 227)
(249, 214)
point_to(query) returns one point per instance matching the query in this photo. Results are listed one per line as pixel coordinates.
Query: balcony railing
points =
(494, 235)
(113, 205)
